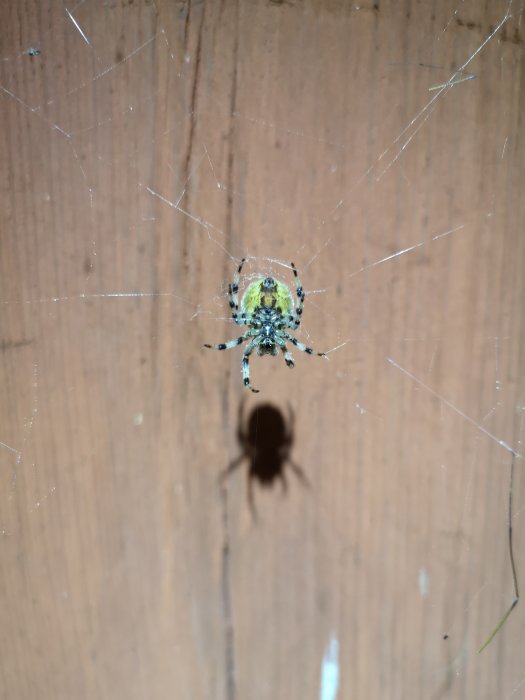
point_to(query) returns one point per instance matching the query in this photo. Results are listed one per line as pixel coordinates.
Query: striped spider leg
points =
(250, 333)
(293, 320)
(301, 346)
(246, 364)
(234, 342)
(287, 356)
(233, 297)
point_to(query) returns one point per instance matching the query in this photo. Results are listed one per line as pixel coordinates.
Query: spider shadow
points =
(266, 441)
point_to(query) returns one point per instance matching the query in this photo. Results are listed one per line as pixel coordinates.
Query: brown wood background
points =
(145, 150)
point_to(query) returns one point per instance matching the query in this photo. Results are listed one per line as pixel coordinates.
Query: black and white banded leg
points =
(246, 365)
(287, 357)
(231, 343)
(233, 296)
(295, 319)
(302, 347)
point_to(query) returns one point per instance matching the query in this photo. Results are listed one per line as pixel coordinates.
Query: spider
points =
(267, 307)
(266, 440)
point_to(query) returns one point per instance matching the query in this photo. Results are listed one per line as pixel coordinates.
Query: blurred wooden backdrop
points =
(145, 148)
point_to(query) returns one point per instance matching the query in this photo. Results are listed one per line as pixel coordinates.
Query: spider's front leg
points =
(246, 365)
(287, 356)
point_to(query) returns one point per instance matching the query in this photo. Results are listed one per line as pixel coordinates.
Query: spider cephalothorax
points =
(267, 307)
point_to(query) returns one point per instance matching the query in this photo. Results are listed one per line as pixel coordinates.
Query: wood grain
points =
(147, 147)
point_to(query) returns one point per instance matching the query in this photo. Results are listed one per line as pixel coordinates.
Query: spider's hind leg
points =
(295, 319)
(233, 295)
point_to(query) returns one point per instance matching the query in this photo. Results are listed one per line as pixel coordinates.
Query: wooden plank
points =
(147, 148)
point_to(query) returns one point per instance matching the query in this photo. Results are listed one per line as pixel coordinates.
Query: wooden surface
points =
(145, 150)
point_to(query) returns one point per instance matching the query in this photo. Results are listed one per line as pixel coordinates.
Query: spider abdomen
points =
(267, 294)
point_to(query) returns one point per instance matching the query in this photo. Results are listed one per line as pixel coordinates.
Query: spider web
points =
(137, 184)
